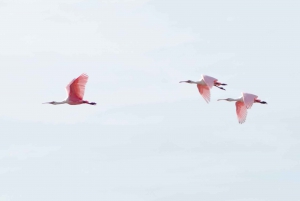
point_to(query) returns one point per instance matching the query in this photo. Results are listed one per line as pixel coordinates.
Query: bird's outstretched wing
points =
(241, 111)
(204, 91)
(249, 99)
(209, 80)
(76, 87)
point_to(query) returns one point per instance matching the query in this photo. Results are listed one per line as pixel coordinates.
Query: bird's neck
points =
(58, 103)
(230, 99)
(189, 82)
(233, 99)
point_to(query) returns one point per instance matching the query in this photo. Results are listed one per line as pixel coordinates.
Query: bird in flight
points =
(75, 92)
(204, 85)
(243, 103)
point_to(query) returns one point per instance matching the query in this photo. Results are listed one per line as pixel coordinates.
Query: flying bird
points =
(75, 92)
(204, 85)
(243, 103)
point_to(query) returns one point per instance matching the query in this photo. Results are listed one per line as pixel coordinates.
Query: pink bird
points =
(75, 92)
(204, 85)
(243, 103)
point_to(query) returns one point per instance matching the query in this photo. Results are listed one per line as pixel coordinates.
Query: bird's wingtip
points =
(84, 74)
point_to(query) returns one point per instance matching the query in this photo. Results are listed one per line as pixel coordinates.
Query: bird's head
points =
(188, 81)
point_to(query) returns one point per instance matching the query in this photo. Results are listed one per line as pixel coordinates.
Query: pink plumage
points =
(76, 88)
(205, 92)
(241, 111)
(204, 85)
(249, 99)
(209, 81)
(243, 103)
(75, 92)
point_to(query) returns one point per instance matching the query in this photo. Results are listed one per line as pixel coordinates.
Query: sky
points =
(149, 138)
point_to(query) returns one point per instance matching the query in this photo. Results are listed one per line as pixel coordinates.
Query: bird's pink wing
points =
(241, 111)
(76, 87)
(209, 80)
(68, 87)
(249, 99)
(204, 91)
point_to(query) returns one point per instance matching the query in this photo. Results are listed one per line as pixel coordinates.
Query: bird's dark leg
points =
(219, 83)
(87, 102)
(261, 102)
(220, 87)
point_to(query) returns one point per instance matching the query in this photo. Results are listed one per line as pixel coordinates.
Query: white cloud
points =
(129, 119)
(4, 198)
(26, 151)
(42, 27)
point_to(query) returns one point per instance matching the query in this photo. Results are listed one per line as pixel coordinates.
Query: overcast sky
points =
(149, 137)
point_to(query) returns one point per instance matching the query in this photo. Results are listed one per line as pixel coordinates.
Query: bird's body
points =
(243, 103)
(75, 91)
(204, 85)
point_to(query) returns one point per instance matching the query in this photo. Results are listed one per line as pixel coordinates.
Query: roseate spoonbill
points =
(75, 92)
(204, 85)
(243, 103)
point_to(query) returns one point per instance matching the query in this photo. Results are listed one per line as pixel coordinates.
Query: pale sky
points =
(149, 138)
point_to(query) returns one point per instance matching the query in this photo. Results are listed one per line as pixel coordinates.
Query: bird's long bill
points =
(182, 81)
(46, 103)
(221, 99)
